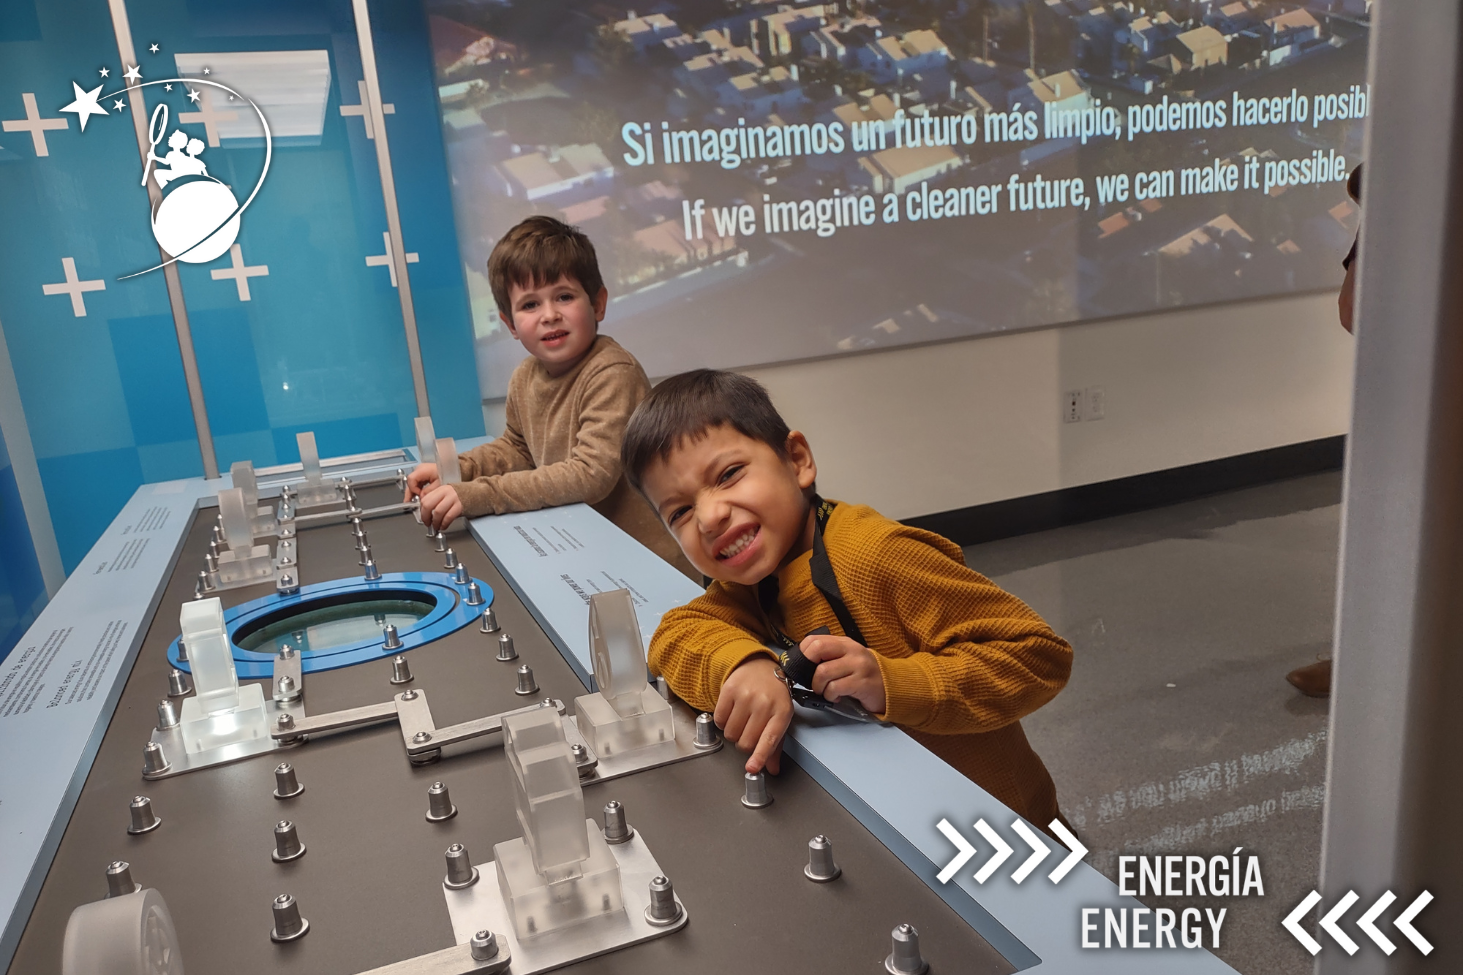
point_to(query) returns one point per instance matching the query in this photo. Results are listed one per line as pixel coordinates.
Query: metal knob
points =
(460, 871)
(201, 585)
(286, 783)
(526, 684)
(450, 562)
(167, 714)
(905, 958)
(439, 803)
(756, 795)
(505, 648)
(144, 820)
(706, 736)
(664, 909)
(400, 670)
(287, 585)
(821, 868)
(484, 945)
(287, 845)
(490, 621)
(392, 641)
(616, 829)
(441, 542)
(178, 683)
(373, 574)
(288, 924)
(460, 576)
(119, 879)
(153, 759)
(287, 689)
(182, 650)
(474, 594)
(210, 561)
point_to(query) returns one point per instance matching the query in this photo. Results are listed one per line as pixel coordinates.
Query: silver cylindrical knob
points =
(392, 641)
(706, 736)
(450, 561)
(490, 621)
(287, 845)
(460, 575)
(363, 546)
(526, 684)
(373, 574)
(821, 867)
(286, 688)
(178, 683)
(153, 759)
(664, 909)
(144, 820)
(756, 795)
(484, 945)
(287, 585)
(182, 650)
(460, 871)
(210, 561)
(474, 594)
(288, 924)
(167, 714)
(616, 829)
(286, 783)
(119, 879)
(441, 541)
(505, 648)
(400, 670)
(905, 958)
(200, 586)
(439, 803)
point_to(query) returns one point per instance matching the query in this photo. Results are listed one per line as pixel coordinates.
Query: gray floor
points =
(1177, 732)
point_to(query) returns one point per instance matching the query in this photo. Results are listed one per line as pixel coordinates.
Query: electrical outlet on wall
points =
(1095, 404)
(1072, 406)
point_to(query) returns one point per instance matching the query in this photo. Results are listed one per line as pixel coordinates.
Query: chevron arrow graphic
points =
(1367, 922)
(1292, 923)
(1039, 851)
(965, 850)
(1404, 922)
(1369, 928)
(1003, 851)
(1078, 851)
(1329, 925)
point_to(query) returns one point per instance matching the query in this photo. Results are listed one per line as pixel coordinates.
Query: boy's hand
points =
(420, 480)
(440, 507)
(845, 669)
(754, 710)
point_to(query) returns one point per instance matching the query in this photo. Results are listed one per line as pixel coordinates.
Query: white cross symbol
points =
(74, 287)
(208, 116)
(36, 125)
(376, 260)
(239, 272)
(386, 109)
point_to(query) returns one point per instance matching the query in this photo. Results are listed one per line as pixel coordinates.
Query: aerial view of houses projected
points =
(942, 168)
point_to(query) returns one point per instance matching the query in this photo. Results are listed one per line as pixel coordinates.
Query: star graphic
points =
(106, 71)
(119, 104)
(85, 105)
(132, 74)
(153, 49)
(206, 71)
(167, 87)
(193, 96)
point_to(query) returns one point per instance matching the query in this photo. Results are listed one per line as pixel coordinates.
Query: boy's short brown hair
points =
(539, 251)
(684, 407)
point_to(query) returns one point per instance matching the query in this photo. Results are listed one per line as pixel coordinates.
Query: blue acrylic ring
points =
(449, 613)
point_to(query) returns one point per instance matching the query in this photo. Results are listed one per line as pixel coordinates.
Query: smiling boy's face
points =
(738, 509)
(556, 323)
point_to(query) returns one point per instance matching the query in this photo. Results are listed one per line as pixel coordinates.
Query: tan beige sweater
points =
(561, 445)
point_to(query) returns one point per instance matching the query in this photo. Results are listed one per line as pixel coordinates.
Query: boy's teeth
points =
(738, 545)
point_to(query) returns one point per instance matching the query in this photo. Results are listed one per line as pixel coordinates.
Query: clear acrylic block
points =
(315, 490)
(210, 655)
(245, 721)
(625, 712)
(608, 732)
(538, 906)
(546, 791)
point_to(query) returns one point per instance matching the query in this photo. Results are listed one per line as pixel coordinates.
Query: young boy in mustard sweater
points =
(568, 402)
(908, 631)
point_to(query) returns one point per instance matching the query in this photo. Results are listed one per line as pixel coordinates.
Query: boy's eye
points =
(729, 473)
(676, 515)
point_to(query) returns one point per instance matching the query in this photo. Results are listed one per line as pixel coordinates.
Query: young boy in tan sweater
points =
(831, 595)
(567, 403)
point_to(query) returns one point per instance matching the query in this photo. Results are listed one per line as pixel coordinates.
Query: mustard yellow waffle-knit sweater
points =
(963, 661)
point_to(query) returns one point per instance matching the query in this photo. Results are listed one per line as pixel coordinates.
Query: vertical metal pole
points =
(388, 194)
(1393, 783)
(16, 431)
(138, 107)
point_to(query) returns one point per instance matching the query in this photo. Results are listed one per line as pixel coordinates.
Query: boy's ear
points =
(508, 321)
(800, 456)
(601, 302)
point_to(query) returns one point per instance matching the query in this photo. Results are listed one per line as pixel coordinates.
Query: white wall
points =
(921, 430)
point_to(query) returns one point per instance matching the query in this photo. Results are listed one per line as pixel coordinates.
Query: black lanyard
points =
(794, 664)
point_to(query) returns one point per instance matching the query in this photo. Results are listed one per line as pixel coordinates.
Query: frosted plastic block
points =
(238, 531)
(210, 656)
(315, 490)
(607, 732)
(449, 471)
(617, 650)
(538, 907)
(426, 440)
(546, 792)
(242, 474)
(245, 721)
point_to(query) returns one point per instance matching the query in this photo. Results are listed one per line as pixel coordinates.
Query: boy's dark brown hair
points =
(539, 251)
(684, 407)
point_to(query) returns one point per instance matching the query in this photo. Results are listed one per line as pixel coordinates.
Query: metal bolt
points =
(526, 684)
(286, 783)
(201, 586)
(182, 650)
(178, 683)
(706, 731)
(756, 795)
(400, 670)
(153, 759)
(210, 561)
(119, 879)
(144, 820)
(505, 648)
(460, 576)
(484, 945)
(409, 694)
(287, 845)
(439, 803)
(821, 868)
(288, 924)
(285, 687)
(664, 909)
(373, 574)
(474, 594)
(490, 621)
(421, 737)
(441, 542)
(285, 722)
(287, 585)
(905, 958)
(392, 642)
(460, 871)
(616, 829)
(450, 562)
(167, 715)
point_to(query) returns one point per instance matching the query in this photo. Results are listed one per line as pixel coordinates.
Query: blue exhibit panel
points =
(22, 590)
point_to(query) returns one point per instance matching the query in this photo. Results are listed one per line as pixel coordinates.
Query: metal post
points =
(388, 195)
(1393, 788)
